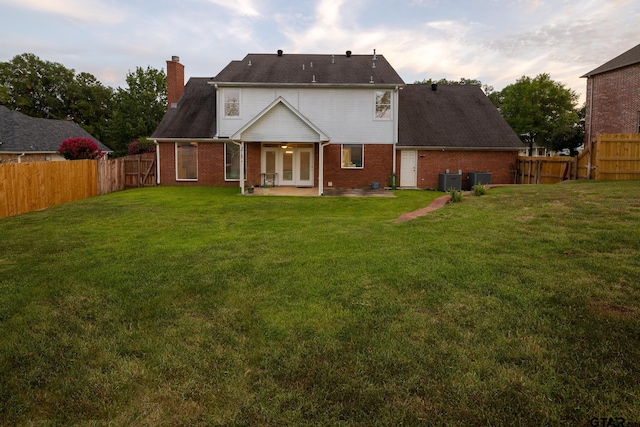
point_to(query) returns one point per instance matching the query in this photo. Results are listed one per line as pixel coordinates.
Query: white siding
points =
(345, 115)
(280, 124)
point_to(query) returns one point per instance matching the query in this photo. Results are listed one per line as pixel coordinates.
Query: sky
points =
(494, 41)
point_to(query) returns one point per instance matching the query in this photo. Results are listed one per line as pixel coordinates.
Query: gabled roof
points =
(284, 115)
(302, 68)
(20, 133)
(630, 57)
(194, 116)
(452, 116)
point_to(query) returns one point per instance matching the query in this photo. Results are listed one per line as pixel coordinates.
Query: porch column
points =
(241, 145)
(321, 167)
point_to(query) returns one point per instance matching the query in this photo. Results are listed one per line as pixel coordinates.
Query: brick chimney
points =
(175, 80)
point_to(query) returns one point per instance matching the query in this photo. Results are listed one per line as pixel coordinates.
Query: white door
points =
(304, 167)
(408, 162)
(291, 165)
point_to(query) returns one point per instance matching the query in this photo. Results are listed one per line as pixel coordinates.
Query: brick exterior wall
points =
(29, 158)
(432, 163)
(378, 166)
(615, 103)
(210, 165)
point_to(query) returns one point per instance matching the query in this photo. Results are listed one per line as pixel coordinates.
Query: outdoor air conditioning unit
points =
(481, 178)
(449, 181)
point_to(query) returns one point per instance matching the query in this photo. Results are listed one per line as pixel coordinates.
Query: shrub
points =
(79, 148)
(456, 196)
(142, 145)
(479, 190)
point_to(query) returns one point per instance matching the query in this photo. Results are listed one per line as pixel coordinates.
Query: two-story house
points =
(342, 121)
(613, 96)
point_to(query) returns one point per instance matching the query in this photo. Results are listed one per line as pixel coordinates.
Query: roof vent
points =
(279, 52)
(434, 86)
(373, 65)
(374, 55)
(348, 54)
(314, 79)
(371, 79)
(249, 64)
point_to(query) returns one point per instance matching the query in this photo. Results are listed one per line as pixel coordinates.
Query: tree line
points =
(115, 117)
(540, 110)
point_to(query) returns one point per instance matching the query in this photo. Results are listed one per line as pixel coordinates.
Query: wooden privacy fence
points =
(616, 157)
(25, 187)
(140, 170)
(546, 170)
(613, 157)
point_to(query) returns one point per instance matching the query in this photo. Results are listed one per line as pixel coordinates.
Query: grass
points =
(196, 306)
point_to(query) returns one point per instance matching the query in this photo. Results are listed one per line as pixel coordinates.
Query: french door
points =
(291, 164)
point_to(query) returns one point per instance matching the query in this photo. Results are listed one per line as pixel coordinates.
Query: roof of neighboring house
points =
(194, 116)
(630, 57)
(21, 133)
(307, 69)
(452, 116)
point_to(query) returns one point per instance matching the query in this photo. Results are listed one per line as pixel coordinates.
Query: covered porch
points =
(285, 149)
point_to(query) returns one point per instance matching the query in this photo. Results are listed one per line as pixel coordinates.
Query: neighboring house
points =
(342, 121)
(613, 96)
(537, 151)
(29, 139)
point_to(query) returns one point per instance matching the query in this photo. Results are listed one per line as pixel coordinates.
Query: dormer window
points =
(232, 102)
(383, 105)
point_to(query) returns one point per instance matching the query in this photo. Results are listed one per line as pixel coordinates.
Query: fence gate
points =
(140, 170)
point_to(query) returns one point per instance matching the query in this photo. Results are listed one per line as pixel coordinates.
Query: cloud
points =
(93, 12)
(238, 7)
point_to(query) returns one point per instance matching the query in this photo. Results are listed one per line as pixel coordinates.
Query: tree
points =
(90, 104)
(487, 89)
(539, 110)
(79, 148)
(35, 87)
(137, 109)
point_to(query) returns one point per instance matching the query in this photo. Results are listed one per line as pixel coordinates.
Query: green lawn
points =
(197, 306)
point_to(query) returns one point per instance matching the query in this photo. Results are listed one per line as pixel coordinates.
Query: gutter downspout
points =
(157, 162)
(321, 167)
(395, 129)
(241, 145)
(589, 132)
(20, 157)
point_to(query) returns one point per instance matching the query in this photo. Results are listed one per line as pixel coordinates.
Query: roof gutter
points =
(307, 85)
(156, 140)
(433, 148)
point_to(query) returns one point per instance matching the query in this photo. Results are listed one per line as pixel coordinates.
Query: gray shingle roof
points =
(453, 116)
(22, 133)
(195, 114)
(630, 57)
(301, 69)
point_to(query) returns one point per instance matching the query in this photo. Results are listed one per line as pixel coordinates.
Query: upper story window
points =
(232, 102)
(383, 104)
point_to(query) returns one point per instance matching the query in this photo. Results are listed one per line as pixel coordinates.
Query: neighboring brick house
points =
(26, 139)
(341, 121)
(613, 96)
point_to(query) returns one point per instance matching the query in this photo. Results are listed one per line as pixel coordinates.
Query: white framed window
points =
(383, 105)
(186, 161)
(352, 156)
(232, 162)
(232, 103)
